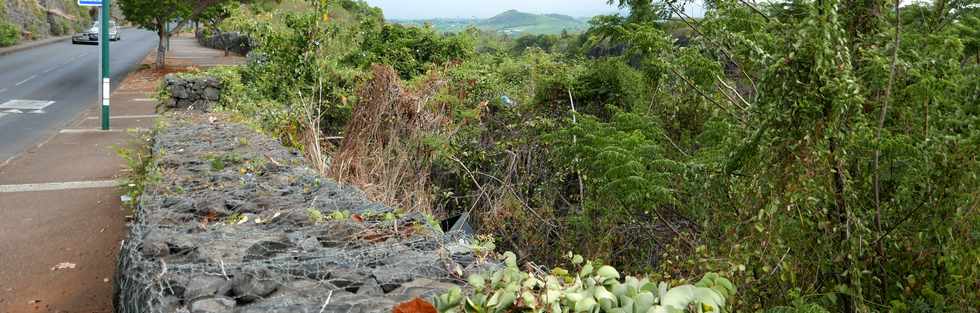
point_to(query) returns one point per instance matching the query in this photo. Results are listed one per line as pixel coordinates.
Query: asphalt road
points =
(64, 73)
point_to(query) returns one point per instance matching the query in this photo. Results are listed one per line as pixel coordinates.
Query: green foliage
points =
(9, 34)
(748, 148)
(590, 289)
(140, 166)
(968, 28)
(410, 50)
(297, 61)
(609, 85)
(154, 14)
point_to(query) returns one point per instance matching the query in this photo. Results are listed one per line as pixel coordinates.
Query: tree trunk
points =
(163, 37)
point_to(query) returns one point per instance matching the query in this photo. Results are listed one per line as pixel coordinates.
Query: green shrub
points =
(410, 50)
(9, 34)
(609, 83)
(591, 288)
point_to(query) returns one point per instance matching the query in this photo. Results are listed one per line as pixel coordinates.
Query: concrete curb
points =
(32, 44)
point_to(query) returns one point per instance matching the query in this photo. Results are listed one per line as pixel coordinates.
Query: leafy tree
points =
(411, 49)
(641, 10)
(969, 31)
(212, 18)
(160, 16)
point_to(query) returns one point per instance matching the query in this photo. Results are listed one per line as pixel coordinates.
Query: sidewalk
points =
(59, 204)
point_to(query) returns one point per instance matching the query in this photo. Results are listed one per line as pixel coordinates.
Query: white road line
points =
(95, 130)
(51, 69)
(124, 117)
(58, 186)
(145, 100)
(26, 80)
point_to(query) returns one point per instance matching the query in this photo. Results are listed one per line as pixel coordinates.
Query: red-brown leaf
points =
(415, 306)
(357, 218)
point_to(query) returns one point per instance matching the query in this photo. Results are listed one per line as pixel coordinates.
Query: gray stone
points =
(217, 304)
(179, 92)
(304, 289)
(204, 286)
(404, 266)
(421, 288)
(212, 94)
(359, 303)
(251, 288)
(155, 245)
(169, 304)
(266, 249)
(310, 244)
(370, 288)
(279, 307)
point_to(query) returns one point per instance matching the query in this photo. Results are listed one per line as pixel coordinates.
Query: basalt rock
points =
(236, 222)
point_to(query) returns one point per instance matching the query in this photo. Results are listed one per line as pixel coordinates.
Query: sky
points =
(421, 9)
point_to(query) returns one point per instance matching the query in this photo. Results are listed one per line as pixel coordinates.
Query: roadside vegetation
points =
(9, 34)
(820, 155)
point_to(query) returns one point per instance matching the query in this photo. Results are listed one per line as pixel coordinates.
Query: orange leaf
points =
(415, 306)
(357, 218)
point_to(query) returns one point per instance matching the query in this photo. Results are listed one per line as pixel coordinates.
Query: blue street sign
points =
(90, 3)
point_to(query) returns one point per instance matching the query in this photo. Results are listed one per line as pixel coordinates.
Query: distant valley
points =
(512, 22)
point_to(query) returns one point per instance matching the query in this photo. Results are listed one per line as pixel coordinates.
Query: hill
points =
(24, 20)
(511, 22)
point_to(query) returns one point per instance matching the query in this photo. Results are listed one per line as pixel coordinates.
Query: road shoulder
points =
(32, 44)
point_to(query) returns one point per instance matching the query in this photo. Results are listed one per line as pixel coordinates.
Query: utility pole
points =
(106, 12)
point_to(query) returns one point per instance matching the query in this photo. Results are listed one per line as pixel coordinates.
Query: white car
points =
(91, 36)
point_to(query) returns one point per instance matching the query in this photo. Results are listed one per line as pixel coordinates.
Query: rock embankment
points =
(198, 93)
(230, 41)
(39, 19)
(234, 222)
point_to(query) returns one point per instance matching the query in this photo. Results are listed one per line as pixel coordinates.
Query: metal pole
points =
(104, 13)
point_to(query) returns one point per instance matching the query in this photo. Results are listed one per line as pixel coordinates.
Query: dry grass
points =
(383, 151)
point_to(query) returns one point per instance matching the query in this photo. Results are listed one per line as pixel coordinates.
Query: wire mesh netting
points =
(237, 223)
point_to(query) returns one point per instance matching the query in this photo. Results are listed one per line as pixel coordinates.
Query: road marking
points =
(26, 80)
(15, 111)
(25, 104)
(51, 69)
(124, 117)
(145, 100)
(59, 186)
(95, 130)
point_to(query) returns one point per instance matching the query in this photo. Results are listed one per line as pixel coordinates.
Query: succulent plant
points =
(591, 290)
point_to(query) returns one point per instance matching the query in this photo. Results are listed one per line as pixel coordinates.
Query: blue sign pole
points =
(104, 41)
(104, 13)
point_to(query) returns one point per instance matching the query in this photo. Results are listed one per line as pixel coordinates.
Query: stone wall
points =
(233, 41)
(234, 222)
(197, 93)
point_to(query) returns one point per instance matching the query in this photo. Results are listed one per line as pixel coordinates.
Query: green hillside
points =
(517, 22)
(512, 22)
